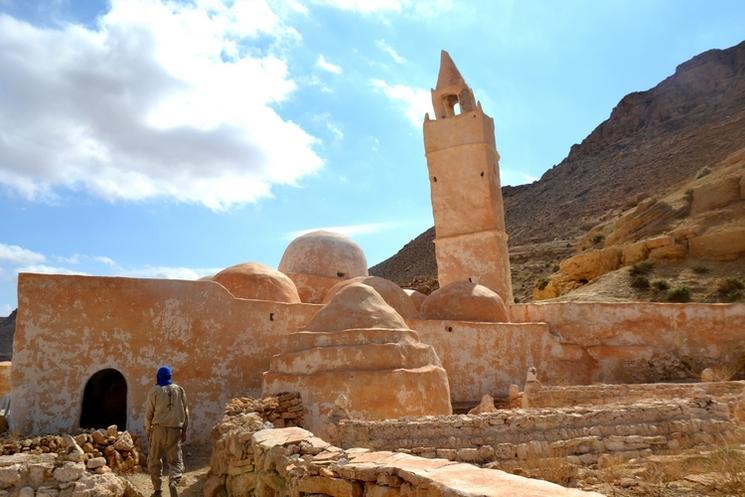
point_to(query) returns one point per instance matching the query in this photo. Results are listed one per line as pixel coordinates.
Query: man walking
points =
(166, 420)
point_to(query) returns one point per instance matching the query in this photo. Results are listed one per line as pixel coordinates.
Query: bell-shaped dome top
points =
(256, 281)
(323, 253)
(465, 301)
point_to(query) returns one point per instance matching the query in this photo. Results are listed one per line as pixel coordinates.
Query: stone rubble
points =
(116, 448)
(283, 409)
(249, 459)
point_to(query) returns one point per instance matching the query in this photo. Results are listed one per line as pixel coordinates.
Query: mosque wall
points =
(485, 358)
(642, 342)
(70, 327)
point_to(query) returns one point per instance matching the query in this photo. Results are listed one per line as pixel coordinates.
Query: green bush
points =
(640, 282)
(542, 283)
(660, 285)
(730, 289)
(700, 269)
(641, 268)
(679, 294)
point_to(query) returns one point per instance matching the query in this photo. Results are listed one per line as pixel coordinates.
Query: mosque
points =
(86, 347)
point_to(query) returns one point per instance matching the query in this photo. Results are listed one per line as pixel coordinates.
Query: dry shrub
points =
(554, 469)
(730, 464)
(727, 371)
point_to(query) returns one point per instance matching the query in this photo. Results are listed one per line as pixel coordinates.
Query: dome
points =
(356, 306)
(393, 295)
(465, 301)
(323, 253)
(257, 281)
(416, 297)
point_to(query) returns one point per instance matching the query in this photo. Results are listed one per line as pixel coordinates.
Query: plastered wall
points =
(643, 342)
(70, 327)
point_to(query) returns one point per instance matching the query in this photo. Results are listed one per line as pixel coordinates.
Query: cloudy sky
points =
(173, 138)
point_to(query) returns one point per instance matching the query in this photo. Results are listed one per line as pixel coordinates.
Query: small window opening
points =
(456, 109)
(105, 401)
(434, 178)
(271, 316)
(583, 281)
(470, 280)
(482, 174)
(340, 274)
(449, 329)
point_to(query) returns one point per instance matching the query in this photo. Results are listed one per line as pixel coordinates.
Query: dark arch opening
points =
(105, 401)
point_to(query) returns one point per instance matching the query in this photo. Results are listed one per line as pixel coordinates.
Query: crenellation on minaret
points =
(463, 164)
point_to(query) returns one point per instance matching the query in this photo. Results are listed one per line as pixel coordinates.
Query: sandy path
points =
(196, 460)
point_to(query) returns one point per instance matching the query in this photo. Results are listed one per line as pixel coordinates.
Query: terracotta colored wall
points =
(643, 342)
(70, 327)
(488, 357)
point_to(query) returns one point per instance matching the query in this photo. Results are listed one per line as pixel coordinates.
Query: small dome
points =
(257, 281)
(356, 306)
(391, 293)
(465, 301)
(416, 297)
(323, 253)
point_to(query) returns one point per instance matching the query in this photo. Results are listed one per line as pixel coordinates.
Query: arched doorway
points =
(105, 400)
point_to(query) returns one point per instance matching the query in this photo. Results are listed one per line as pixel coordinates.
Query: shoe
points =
(157, 493)
(172, 490)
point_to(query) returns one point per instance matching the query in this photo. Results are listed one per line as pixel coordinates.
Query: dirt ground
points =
(196, 460)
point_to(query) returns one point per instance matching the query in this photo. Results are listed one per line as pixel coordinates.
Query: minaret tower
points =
(463, 163)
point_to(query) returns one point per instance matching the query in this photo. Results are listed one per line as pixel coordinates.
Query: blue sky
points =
(153, 139)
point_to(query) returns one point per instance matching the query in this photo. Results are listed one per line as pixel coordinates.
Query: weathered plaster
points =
(70, 327)
(643, 342)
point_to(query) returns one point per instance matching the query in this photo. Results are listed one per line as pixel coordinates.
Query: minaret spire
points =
(449, 74)
(463, 164)
(451, 89)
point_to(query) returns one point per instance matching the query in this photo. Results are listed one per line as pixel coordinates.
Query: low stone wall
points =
(582, 435)
(537, 395)
(281, 410)
(64, 470)
(293, 462)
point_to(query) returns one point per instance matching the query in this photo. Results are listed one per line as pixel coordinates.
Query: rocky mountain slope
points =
(652, 141)
(7, 329)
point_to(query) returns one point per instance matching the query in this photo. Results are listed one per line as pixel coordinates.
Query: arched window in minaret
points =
(452, 95)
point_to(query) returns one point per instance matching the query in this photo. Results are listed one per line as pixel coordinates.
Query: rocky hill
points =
(652, 141)
(7, 329)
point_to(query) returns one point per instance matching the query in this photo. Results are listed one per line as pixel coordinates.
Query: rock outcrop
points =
(651, 141)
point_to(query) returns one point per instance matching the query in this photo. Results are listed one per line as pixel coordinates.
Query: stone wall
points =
(70, 327)
(510, 438)
(249, 460)
(542, 396)
(56, 466)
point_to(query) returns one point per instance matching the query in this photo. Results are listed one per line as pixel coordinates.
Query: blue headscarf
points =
(164, 375)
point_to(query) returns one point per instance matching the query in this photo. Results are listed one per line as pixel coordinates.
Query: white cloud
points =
(159, 100)
(44, 269)
(5, 309)
(104, 260)
(347, 230)
(413, 102)
(364, 6)
(327, 66)
(424, 8)
(513, 177)
(169, 272)
(385, 47)
(13, 254)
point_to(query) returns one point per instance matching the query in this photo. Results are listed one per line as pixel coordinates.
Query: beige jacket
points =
(166, 406)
